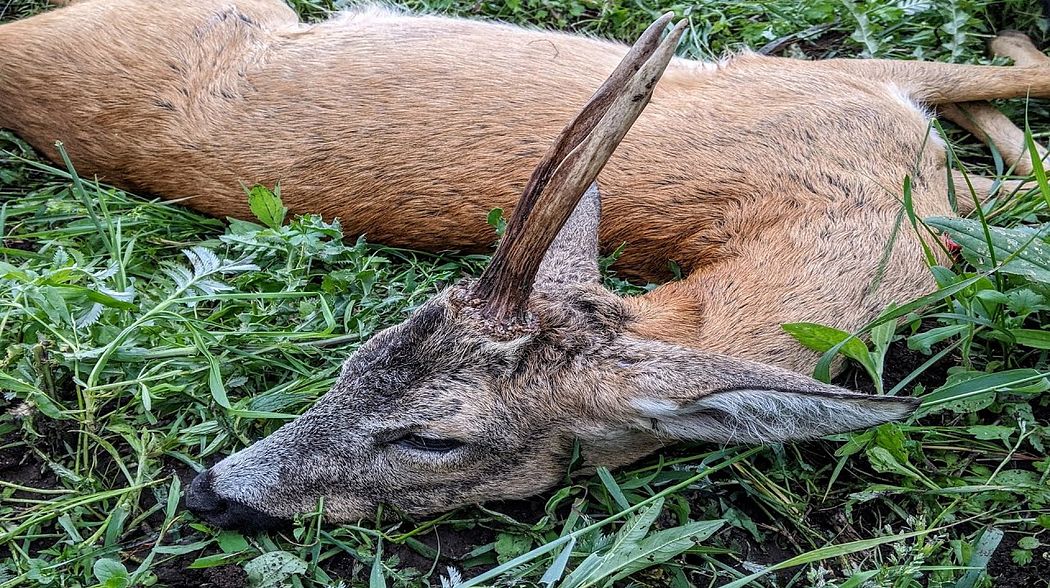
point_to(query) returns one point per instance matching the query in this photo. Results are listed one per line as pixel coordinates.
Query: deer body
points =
(774, 183)
(410, 129)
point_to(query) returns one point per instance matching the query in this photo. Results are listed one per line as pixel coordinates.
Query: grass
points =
(143, 340)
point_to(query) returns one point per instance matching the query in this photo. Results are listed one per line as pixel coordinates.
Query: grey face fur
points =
(442, 411)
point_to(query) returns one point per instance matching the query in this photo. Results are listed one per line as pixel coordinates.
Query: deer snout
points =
(203, 501)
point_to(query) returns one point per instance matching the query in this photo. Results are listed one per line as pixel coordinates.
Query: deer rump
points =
(774, 183)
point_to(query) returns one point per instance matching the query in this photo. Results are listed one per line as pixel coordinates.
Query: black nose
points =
(202, 501)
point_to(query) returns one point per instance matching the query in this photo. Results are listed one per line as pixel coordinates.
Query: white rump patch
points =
(927, 115)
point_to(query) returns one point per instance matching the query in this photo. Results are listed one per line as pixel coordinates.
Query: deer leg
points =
(945, 83)
(982, 187)
(986, 122)
(992, 127)
(1017, 46)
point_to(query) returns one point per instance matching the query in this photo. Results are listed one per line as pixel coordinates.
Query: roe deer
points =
(774, 183)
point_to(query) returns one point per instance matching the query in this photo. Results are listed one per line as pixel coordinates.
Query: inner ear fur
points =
(687, 394)
(572, 257)
(770, 415)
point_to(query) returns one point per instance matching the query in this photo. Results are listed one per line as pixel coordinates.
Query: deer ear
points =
(686, 394)
(572, 257)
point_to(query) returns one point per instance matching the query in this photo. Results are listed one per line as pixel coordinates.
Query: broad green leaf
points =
(925, 340)
(883, 461)
(183, 549)
(855, 443)
(974, 385)
(174, 493)
(632, 531)
(210, 561)
(94, 296)
(626, 558)
(1043, 521)
(664, 545)
(1028, 543)
(218, 391)
(890, 437)
(982, 554)
(1019, 251)
(110, 573)
(741, 520)
(375, 577)
(271, 569)
(881, 336)
(1021, 557)
(613, 488)
(991, 432)
(496, 221)
(557, 569)
(859, 579)
(637, 526)
(15, 385)
(1032, 338)
(215, 383)
(115, 524)
(822, 338)
(1024, 301)
(267, 206)
(232, 542)
(34, 395)
(510, 545)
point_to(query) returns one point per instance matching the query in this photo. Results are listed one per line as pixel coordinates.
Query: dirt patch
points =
(1006, 574)
(900, 363)
(177, 574)
(20, 466)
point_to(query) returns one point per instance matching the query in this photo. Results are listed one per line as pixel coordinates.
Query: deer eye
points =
(419, 442)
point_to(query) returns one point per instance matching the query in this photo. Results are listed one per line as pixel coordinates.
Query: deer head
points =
(482, 393)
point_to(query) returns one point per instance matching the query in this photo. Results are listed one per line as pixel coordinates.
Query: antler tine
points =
(584, 122)
(568, 168)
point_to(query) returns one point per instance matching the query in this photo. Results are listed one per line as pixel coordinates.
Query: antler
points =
(568, 168)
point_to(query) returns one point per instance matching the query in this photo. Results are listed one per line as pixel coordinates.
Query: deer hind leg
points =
(986, 122)
(1018, 47)
(992, 127)
(945, 83)
(968, 186)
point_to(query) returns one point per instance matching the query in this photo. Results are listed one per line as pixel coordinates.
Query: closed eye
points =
(418, 442)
